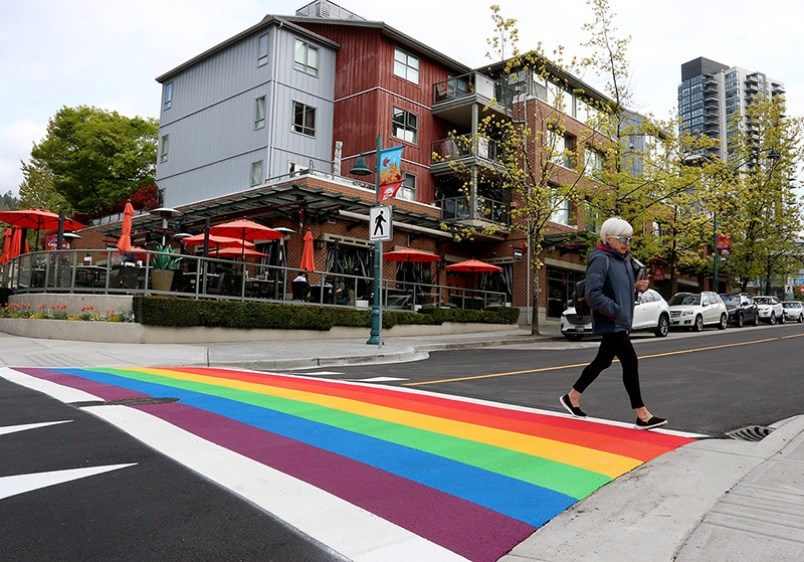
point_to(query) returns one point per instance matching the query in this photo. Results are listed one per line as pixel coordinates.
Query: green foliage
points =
(179, 312)
(36, 189)
(165, 258)
(9, 202)
(96, 157)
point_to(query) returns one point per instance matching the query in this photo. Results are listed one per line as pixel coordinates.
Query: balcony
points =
(488, 211)
(453, 98)
(459, 151)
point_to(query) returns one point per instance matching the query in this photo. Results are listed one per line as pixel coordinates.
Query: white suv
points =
(770, 309)
(696, 310)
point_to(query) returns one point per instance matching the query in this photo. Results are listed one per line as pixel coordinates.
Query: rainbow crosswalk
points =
(474, 478)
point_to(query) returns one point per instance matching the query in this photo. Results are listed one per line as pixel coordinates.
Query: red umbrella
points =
(12, 244)
(474, 266)
(410, 255)
(218, 241)
(124, 242)
(245, 230)
(307, 261)
(37, 219)
(232, 252)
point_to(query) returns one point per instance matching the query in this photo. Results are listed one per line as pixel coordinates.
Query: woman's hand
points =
(642, 285)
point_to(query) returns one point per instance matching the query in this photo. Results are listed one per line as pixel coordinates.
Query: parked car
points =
(742, 309)
(650, 314)
(696, 310)
(793, 310)
(770, 309)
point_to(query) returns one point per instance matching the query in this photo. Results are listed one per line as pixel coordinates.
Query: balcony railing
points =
(104, 272)
(460, 209)
(471, 84)
(460, 147)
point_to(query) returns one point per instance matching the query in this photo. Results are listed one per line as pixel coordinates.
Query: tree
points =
(97, 157)
(36, 189)
(8, 201)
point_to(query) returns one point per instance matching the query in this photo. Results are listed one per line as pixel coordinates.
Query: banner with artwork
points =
(390, 172)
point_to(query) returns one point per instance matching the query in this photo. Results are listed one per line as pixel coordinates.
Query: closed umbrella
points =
(474, 266)
(307, 261)
(13, 244)
(124, 242)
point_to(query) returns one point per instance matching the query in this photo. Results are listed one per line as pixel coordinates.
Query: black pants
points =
(614, 345)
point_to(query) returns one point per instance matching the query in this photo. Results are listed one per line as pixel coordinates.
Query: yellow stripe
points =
(609, 464)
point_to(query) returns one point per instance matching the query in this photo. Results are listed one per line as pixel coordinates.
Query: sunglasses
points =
(623, 239)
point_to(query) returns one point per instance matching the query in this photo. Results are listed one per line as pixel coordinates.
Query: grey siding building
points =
(258, 105)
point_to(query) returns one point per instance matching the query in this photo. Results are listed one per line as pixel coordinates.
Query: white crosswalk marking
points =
(21, 483)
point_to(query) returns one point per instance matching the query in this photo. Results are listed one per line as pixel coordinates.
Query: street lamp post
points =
(360, 169)
(716, 255)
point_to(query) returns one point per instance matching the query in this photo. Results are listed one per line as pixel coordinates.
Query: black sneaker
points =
(575, 411)
(653, 422)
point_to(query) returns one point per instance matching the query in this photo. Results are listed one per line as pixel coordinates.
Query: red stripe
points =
(640, 445)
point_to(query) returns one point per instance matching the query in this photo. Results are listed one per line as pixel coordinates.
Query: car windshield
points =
(730, 299)
(684, 299)
(762, 300)
(791, 304)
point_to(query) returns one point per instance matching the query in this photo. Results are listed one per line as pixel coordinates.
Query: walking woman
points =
(611, 285)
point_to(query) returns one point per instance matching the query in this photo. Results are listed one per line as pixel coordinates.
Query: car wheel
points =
(724, 322)
(740, 321)
(698, 326)
(772, 319)
(664, 326)
(800, 318)
(573, 337)
(756, 319)
(782, 318)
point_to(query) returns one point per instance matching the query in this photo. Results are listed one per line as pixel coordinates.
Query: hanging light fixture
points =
(360, 168)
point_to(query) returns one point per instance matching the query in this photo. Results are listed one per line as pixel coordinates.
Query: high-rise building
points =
(712, 96)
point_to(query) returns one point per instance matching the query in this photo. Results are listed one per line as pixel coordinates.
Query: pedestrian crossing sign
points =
(380, 223)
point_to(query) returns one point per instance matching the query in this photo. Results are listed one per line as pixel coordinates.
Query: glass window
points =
(259, 113)
(303, 119)
(406, 66)
(593, 160)
(163, 153)
(559, 147)
(306, 58)
(167, 95)
(256, 173)
(262, 50)
(561, 209)
(405, 125)
(408, 189)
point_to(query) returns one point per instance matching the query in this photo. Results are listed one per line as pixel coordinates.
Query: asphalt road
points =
(710, 382)
(120, 500)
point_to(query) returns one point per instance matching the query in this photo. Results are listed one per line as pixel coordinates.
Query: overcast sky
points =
(106, 54)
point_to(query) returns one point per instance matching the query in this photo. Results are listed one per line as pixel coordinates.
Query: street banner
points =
(390, 172)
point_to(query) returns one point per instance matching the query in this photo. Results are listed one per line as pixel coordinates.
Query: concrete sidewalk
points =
(713, 500)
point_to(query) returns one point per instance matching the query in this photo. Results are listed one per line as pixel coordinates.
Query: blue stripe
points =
(525, 502)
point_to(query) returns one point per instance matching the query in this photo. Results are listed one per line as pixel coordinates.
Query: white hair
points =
(615, 226)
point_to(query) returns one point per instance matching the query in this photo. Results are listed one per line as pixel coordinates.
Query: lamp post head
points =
(773, 154)
(360, 168)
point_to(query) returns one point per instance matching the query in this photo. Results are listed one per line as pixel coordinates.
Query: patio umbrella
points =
(37, 219)
(12, 243)
(233, 252)
(408, 255)
(307, 261)
(474, 266)
(245, 229)
(124, 242)
(218, 241)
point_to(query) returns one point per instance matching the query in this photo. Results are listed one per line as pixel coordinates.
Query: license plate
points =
(579, 328)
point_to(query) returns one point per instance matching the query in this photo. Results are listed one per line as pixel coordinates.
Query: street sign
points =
(380, 224)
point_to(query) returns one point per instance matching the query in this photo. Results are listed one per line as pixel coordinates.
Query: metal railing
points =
(459, 208)
(107, 272)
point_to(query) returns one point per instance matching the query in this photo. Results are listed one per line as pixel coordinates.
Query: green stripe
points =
(567, 479)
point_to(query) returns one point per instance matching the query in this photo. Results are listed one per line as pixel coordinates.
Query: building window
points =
(560, 209)
(303, 119)
(593, 160)
(406, 66)
(559, 147)
(306, 58)
(167, 95)
(405, 125)
(262, 50)
(256, 173)
(408, 189)
(259, 113)
(163, 153)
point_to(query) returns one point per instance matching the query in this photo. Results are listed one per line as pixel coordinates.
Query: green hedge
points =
(180, 312)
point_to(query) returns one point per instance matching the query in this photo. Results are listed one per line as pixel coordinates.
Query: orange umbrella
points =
(410, 255)
(232, 252)
(12, 244)
(307, 261)
(124, 242)
(474, 266)
(245, 230)
(217, 241)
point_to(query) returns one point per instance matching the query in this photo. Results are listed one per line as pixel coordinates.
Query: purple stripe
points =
(472, 531)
